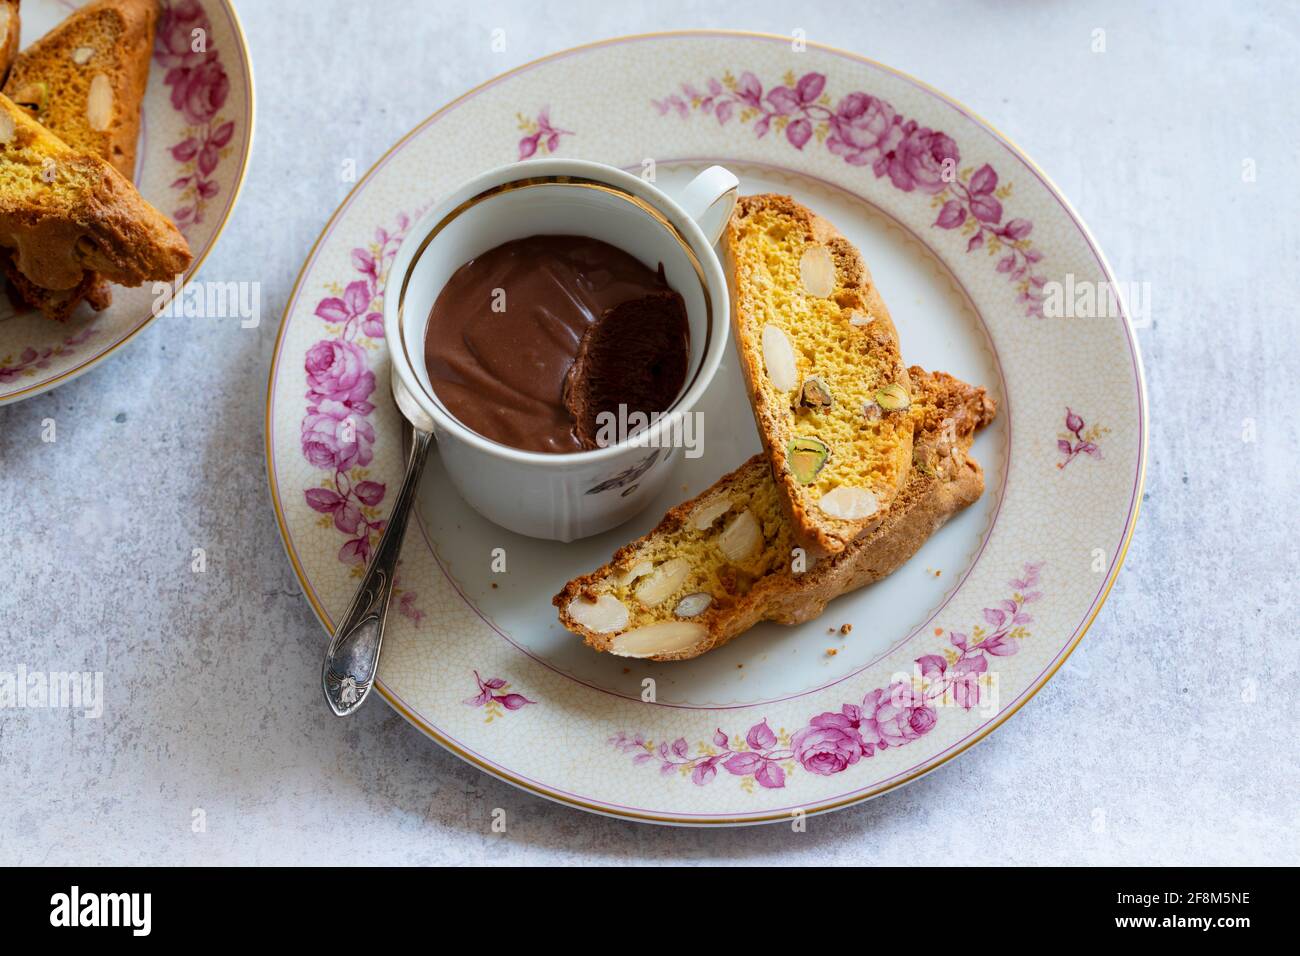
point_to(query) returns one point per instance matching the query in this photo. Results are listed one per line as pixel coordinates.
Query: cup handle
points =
(709, 199)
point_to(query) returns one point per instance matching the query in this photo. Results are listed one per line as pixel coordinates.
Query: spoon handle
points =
(352, 660)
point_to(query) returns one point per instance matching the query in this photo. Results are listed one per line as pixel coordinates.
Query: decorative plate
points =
(195, 141)
(983, 264)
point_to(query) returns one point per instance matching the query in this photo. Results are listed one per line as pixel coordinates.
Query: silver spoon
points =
(352, 660)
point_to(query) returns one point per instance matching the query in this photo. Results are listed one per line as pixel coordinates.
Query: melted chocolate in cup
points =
(634, 357)
(529, 342)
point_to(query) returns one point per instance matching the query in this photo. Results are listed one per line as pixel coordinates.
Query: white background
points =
(1169, 737)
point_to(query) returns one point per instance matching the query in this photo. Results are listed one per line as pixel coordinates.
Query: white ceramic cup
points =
(564, 497)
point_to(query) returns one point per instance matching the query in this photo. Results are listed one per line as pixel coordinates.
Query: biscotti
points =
(821, 361)
(65, 212)
(85, 81)
(718, 564)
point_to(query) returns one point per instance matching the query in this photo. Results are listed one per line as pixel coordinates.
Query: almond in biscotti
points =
(656, 640)
(606, 613)
(817, 270)
(778, 359)
(742, 538)
(99, 103)
(823, 370)
(693, 604)
(704, 516)
(663, 582)
(849, 504)
(638, 570)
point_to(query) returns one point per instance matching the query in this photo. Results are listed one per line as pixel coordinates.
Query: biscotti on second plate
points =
(822, 366)
(65, 212)
(718, 564)
(85, 82)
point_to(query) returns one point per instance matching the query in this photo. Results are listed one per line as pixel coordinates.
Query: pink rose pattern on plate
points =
(492, 698)
(1075, 441)
(337, 435)
(31, 360)
(892, 716)
(865, 130)
(199, 87)
(539, 135)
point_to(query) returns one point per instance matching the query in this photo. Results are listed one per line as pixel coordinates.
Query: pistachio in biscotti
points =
(807, 457)
(693, 605)
(893, 398)
(34, 97)
(815, 394)
(872, 411)
(778, 359)
(606, 613)
(817, 271)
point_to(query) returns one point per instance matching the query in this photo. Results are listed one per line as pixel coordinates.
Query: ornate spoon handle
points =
(352, 660)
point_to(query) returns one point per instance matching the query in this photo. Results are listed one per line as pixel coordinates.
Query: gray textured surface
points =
(1170, 735)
